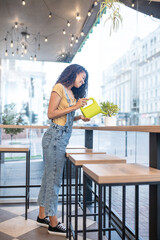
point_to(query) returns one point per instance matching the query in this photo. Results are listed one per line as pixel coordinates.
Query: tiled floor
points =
(13, 225)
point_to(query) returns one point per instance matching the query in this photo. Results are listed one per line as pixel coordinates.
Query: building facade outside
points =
(132, 82)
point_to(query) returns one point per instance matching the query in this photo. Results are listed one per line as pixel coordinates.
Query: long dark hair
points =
(68, 77)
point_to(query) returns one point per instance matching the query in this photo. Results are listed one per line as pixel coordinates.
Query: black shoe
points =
(43, 222)
(58, 230)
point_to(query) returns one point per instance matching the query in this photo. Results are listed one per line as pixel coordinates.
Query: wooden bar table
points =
(154, 162)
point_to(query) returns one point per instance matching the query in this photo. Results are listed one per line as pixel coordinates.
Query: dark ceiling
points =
(33, 18)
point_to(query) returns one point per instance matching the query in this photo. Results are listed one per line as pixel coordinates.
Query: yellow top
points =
(59, 88)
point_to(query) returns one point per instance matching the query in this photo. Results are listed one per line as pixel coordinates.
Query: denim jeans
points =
(54, 144)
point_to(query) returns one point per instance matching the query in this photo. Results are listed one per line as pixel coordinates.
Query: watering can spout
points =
(91, 110)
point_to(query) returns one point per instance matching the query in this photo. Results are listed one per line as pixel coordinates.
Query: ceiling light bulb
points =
(11, 45)
(50, 15)
(72, 38)
(78, 17)
(35, 58)
(82, 33)
(68, 24)
(71, 44)
(28, 35)
(89, 13)
(21, 54)
(13, 54)
(23, 2)
(76, 40)
(6, 53)
(25, 49)
(16, 25)
(46, 39)
(95, 3)
(64, 32)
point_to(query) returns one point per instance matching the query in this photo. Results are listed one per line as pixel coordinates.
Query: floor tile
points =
(40, 234)
(17, 226)
(6, 215)
(4, 236)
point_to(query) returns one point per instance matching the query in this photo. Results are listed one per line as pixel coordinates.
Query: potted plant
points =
(113, 9)
(111, 110)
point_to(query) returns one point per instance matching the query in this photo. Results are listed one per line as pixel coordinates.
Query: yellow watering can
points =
(92, 109)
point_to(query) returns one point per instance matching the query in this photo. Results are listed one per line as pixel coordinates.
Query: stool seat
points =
(82, 151)
(80, 159)
(121, 173)
(14, 148)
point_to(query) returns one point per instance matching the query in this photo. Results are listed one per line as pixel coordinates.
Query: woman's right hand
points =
(81, 102)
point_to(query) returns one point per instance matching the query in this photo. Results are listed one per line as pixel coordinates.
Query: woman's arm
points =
(54, 112)
(81, 117)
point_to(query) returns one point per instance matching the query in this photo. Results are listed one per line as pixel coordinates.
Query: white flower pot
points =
(110, 121)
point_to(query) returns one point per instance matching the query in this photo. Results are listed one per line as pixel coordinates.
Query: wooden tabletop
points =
(154, 129)
(121, 173)
(14, 148)
(82, 151)
(80, 159)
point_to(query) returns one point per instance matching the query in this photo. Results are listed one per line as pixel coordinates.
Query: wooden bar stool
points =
(19, 149)
(77, 160)
(70, 151)
(121, 175)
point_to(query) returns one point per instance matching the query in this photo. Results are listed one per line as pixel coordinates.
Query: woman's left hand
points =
(84, 119)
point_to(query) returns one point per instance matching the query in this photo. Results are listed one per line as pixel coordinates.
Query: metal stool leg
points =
(84, 205)
(136, 212)
(100, 212)
(63, 195)
(123, 212)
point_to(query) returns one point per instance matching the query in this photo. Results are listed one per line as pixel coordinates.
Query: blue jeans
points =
(54, 144)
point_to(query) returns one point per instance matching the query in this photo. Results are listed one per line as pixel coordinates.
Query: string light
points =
(72, 38)
(46, 39)
(35, 58)
(6, 53)
(13, 54)
(25, 49)
(132, 4)
(50, 15)
(89, 13)
(76, 40)
(31, 57)
(64, 32)
(28, 35)
(82, 33)
(17, 51)
(16, 25)
(21, 54)
(63, 55)
(71, 44)
(95, 3)
(68, 24)
(11, 45)
(78, 17)
(23, 2)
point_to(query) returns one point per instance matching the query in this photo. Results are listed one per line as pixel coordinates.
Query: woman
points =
(67, 95)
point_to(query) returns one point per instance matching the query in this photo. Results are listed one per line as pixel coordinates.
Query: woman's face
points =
(80, 79)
